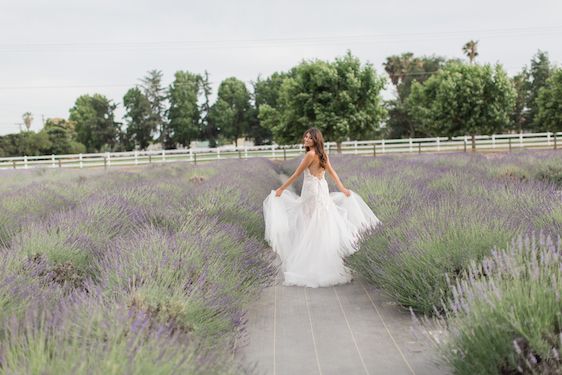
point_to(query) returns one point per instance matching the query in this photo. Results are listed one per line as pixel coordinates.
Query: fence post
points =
(521, 139)
(108, 159)
(245, 152)
(80, 158)
(374, 150)
(14, 163)
(383, 146)
(410, 144)
(25, 161)
(328, 147)
(136, 157)
(195, 158)
(438, 145)
(60, 163)
(355, 148)
(284, 154)
(493, 141)
(53, 165)
(509, 144)
(465, 144)
(419, 147)
(555, 140)
(273, 151)
(239, 154)
(164, 155)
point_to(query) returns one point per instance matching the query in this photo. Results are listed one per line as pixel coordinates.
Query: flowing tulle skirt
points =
(312, 234)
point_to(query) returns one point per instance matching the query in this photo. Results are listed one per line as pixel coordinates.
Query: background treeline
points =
(434, 96)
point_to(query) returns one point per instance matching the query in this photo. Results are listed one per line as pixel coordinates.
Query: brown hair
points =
(318, 139)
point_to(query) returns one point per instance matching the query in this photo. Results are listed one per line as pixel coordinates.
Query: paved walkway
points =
(348, 329)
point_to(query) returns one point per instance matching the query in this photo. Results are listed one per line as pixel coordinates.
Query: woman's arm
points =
(308, 158)
(335, 177)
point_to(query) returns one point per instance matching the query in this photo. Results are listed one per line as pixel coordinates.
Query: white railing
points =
(483, 143)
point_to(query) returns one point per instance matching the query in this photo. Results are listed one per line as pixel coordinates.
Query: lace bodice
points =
(314, 191)
(316, 177)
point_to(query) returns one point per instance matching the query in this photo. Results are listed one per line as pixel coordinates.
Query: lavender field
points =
(445, 221)
(151, 270)
(130, 272)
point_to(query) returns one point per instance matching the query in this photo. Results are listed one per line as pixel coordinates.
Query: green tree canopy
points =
(62, 134)
(463, 99)
(231, 111)
(549, 102)
(341, 98)
(519, 115)
(208, 127)
(151, 85)
(266, 91)
(95, 124)
(139, 119)
(403, 70)
(27, 143)
(539, 72)
(184, 113)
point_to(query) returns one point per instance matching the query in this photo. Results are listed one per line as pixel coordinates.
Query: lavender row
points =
(148, 276)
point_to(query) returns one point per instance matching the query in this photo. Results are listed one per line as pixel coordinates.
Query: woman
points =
(314, 231)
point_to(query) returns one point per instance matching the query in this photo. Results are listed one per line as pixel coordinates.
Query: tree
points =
(341, 98)
(265, 92)
(27, 120)
(9, 144)
(549, 103)
(231, 111)
(470, 49)
(403, 70)
(62, 135)
(32, 144)
(519, 116)
(183, 114)
(95, 125)
(139, 118)
(155, 93)
(539, 73)
(464, 100)
(208, 128)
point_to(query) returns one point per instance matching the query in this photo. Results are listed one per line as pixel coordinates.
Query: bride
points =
(314, 231)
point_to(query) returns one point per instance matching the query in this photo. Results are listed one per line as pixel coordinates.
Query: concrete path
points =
(348, 329)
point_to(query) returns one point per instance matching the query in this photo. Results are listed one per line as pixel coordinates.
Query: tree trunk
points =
(338, 147)
(473, 139)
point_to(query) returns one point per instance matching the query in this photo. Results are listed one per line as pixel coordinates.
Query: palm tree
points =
(470, 49)
(397, 67)
(27, 119)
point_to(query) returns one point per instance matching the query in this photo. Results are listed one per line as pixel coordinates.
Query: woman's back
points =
(315, 168)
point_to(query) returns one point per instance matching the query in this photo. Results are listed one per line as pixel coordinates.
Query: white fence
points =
(483, 143)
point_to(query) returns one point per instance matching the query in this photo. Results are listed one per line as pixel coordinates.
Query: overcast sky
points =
(53, 51)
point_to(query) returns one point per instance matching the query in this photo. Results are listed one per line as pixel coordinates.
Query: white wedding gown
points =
(314, 231)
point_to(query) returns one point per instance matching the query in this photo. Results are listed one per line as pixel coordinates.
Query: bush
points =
(505, 313)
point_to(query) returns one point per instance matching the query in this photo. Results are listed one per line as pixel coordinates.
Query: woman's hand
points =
(278, 192)
(346, 192)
